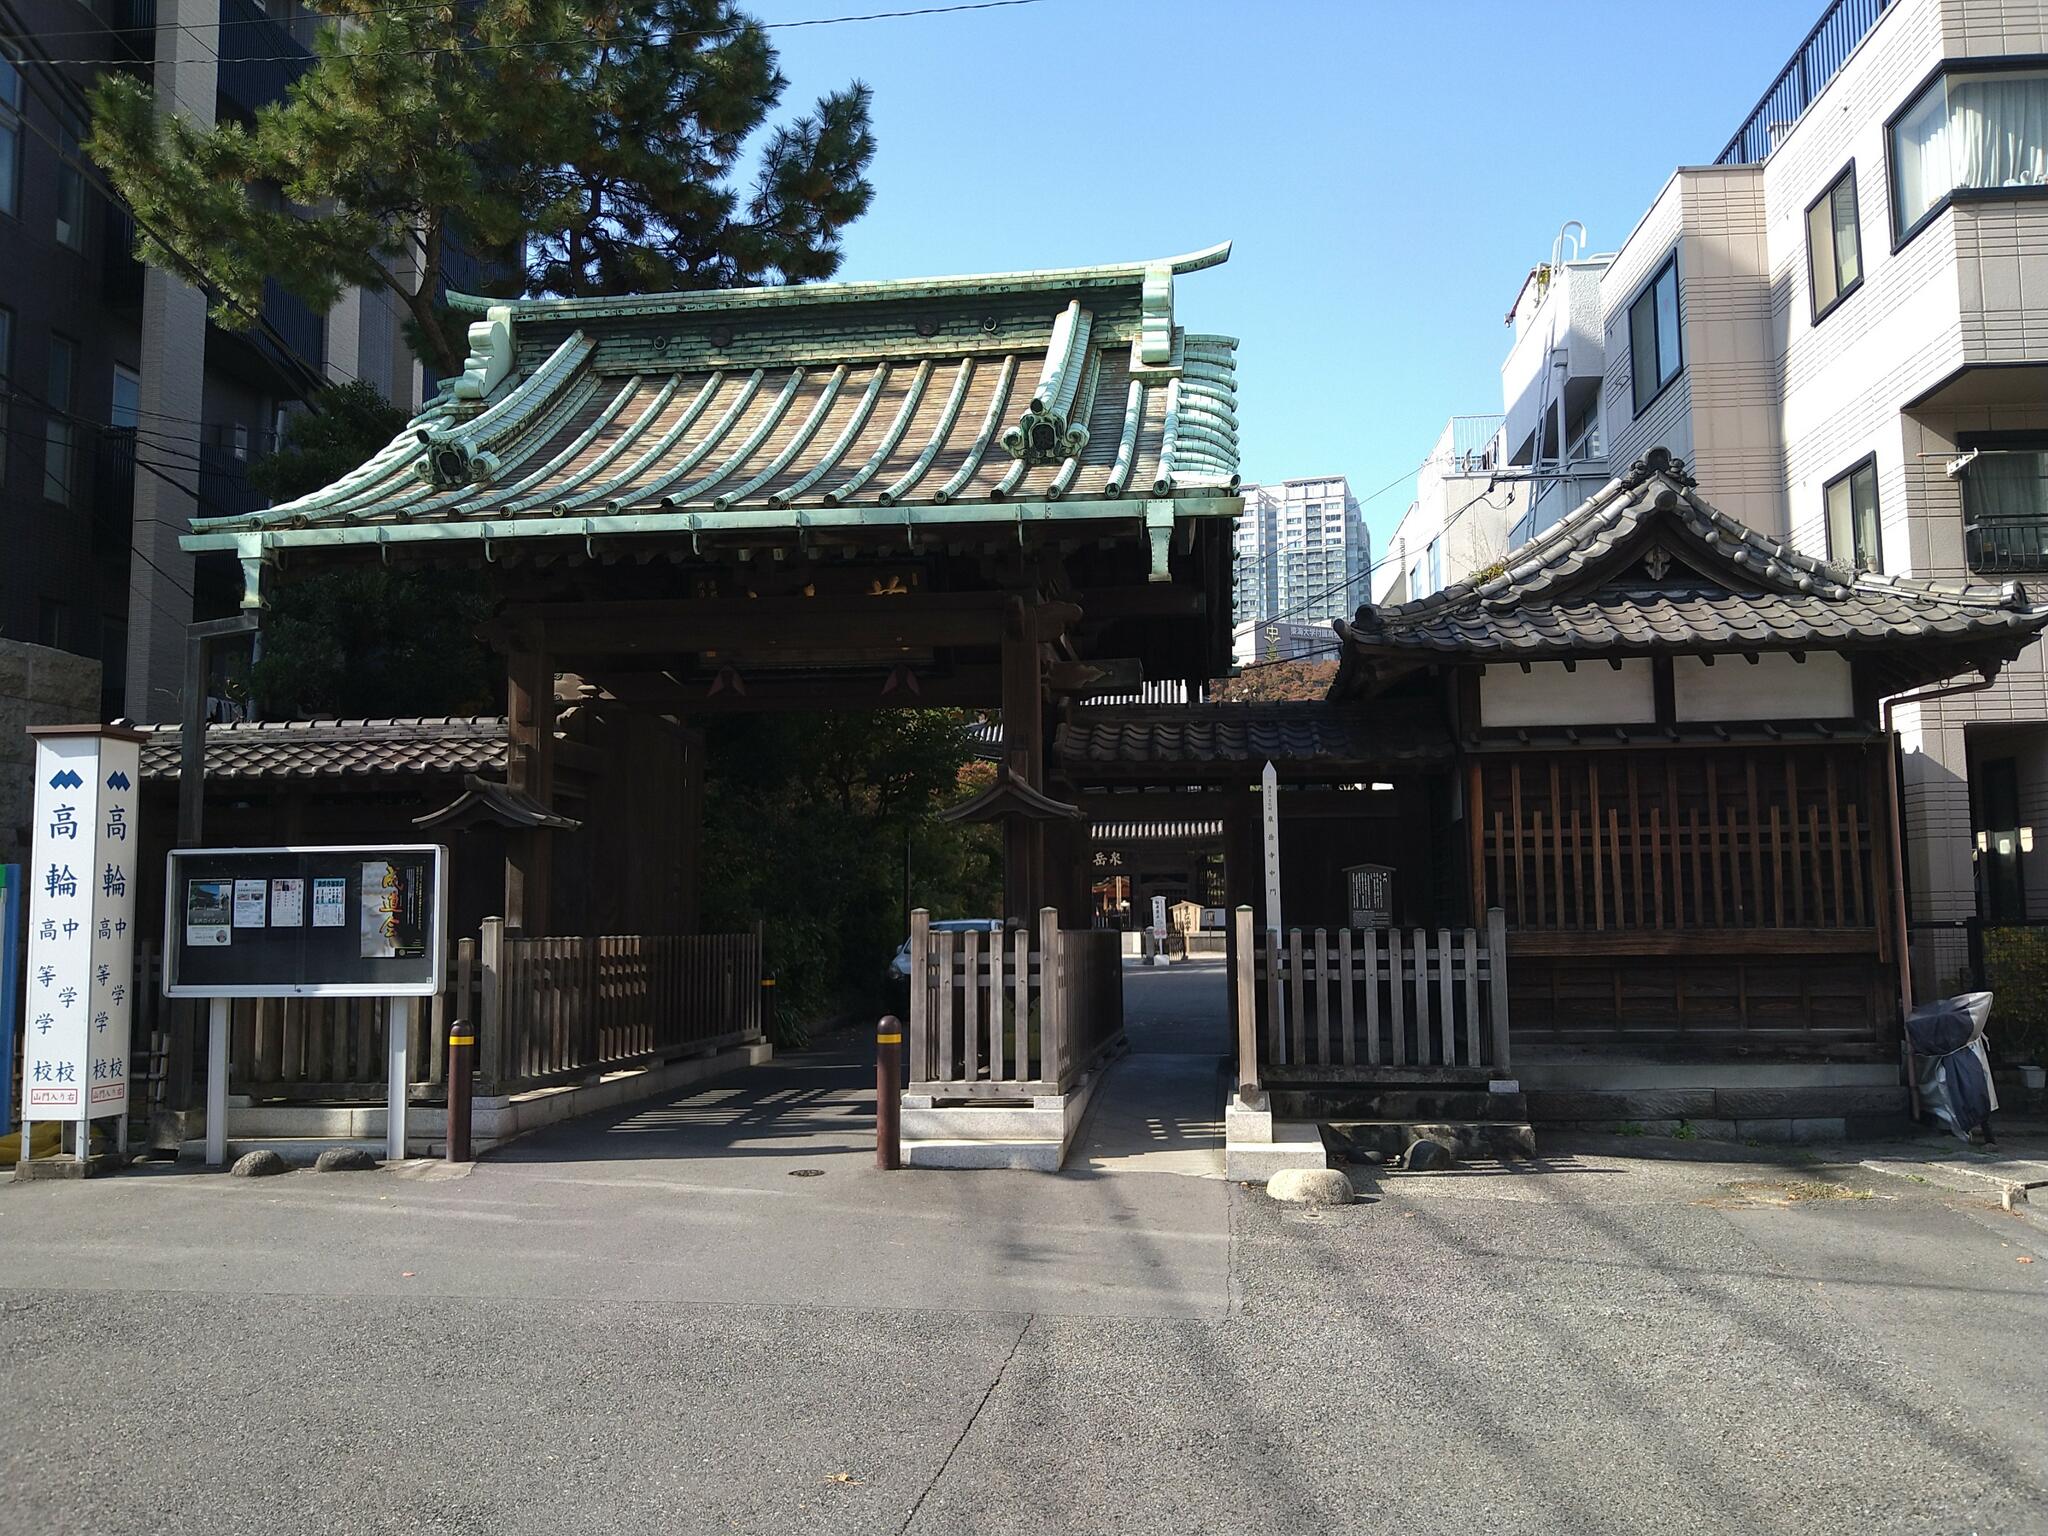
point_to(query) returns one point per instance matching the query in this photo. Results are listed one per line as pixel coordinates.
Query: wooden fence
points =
(1371, 1004)
(557, 1009)
(985, 1022)
(548, 1010)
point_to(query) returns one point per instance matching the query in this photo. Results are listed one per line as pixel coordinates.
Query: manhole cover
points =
(806, 1173)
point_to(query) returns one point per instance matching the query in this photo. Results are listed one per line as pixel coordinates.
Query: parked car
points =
(899, 968)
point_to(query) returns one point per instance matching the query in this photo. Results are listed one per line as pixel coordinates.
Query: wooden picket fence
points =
(302, 1049)
(997, 1015)
(552, 1010)
(546, 1011)
(1371, 1004)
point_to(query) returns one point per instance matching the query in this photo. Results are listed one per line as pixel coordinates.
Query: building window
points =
(57, 428)
(1968, 131)
(1653, 350)
(6, 389)
(1851, 499)
(10, 130)
(2005, 504)
(125, 410)
(70, 192)
(1834, 249)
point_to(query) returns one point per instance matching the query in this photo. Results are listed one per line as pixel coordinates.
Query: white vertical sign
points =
(1269, 806)
(80, 965)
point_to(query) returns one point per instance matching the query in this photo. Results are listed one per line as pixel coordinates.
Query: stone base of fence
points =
(298, 1131)
(1032, 1133)
(1256, 1146)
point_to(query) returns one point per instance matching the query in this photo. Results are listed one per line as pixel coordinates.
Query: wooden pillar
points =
(1024, 757)
(529, 766)
(690, 842)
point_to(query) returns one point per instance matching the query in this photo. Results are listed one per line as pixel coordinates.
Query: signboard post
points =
(306, 922)
(1269, 806)
(1159, 930)
(81, 941)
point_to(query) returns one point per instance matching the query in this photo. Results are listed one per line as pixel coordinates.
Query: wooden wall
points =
(1710, 895)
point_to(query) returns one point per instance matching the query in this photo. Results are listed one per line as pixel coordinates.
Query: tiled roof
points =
(807, 406)
(1153, 831)
(1173, 741)
(336, 749)
(1647, 566)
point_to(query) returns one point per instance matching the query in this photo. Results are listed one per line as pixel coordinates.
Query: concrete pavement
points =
(647, 1323)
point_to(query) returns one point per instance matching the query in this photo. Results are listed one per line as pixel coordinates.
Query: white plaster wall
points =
(1773, 687)
(1547, 694)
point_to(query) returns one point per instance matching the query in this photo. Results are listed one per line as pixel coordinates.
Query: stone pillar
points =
(173, 362)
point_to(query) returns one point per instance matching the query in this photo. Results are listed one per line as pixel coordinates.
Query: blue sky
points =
(1388, 169)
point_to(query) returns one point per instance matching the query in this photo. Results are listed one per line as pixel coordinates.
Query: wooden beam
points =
(827, 623)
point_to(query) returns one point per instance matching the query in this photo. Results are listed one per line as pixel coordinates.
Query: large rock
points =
(1311, 1186)
(1426, 1156)
(258, 1164)
(345, 1160)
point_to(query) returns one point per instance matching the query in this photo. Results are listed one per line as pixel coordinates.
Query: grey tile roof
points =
(336, 749)
(1583, 589)
(1182, 739)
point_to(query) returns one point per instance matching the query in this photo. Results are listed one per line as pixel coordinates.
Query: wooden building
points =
(1637, 797)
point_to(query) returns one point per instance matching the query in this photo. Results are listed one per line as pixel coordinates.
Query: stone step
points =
(1381, 1140)
(1399, 1103)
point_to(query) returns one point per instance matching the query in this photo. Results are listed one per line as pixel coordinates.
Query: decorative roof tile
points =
(1184, 742)
(447, 746)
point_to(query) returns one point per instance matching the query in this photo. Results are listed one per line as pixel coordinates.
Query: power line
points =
(580, 40)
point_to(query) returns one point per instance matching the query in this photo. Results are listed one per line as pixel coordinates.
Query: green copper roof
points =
(939, 400)
(1116, 275)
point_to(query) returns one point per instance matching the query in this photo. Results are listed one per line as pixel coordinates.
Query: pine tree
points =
(598, 140)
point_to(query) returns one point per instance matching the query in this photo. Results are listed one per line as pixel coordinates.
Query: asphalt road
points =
(646, 1324)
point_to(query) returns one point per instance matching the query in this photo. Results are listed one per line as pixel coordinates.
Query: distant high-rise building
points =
(1303, 553)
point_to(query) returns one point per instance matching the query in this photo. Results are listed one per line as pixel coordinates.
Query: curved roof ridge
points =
(763, 294)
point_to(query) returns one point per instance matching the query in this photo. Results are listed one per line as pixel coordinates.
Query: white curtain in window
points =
(1920, 156)
(1998, 130)
(2006, 485)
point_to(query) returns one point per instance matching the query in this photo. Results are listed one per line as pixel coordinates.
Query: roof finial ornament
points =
(447, 464)
(490, 355)
(1658, 461)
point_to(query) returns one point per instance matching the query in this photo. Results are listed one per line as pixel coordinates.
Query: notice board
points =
(357, 921)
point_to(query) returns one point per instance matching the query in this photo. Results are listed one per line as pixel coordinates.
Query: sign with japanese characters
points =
(237, 921)
(80, 967)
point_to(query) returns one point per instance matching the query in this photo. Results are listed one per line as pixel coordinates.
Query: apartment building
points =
(1302, 554)
(1468, 500)
(126, 411)
(1841, 325)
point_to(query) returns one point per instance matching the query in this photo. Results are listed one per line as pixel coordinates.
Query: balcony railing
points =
(258, 58)
(1470, 445)
(1827, 47)
(2001, 545)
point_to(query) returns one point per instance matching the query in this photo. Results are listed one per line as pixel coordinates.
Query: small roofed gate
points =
(1356, 1005)
(1020, 1014)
